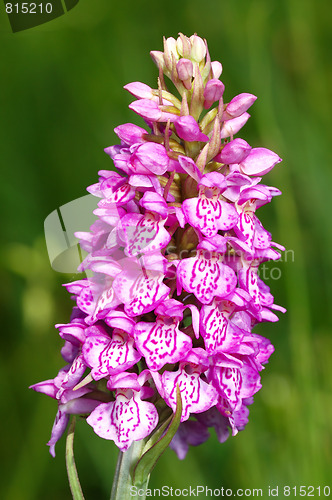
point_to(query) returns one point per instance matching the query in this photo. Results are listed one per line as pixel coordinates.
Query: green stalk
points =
(74, 482)
(123, 488)
(134, 466)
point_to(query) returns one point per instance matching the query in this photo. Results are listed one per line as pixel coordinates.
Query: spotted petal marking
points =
(216, 328)
(245, 229)
(262, 237)
(248, 280)
(107, 300)
(140, 291)
(208, 213)
(161, 342)
(239, 419)
(144, 234)
(250, 381)
(230, 383)
(118, 193)
(250, 231)
(124, 420)
(86, 300)
(72, 376)
(109, 356)
(197, 396)
(206, 276)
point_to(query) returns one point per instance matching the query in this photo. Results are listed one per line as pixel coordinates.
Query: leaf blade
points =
(149, 459)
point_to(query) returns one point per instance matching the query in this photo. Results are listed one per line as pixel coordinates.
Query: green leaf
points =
(157, 434)
(149, 459)
(74, 482)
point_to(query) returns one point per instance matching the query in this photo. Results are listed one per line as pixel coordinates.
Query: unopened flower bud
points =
(172, 47)
(185, 69)
(139, 90)
(183, 46)
(214, 89)
(185, 72)
(238, 105)
(231, 127)
(130, 133)
(216, 69)
(234, 152)
(170, 52)
(188, 129)
(158, 59)
(198, 48)
(149, 110)
(259, 161)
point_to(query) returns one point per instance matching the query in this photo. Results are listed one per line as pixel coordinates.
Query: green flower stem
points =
(74, 482)
(122, 482)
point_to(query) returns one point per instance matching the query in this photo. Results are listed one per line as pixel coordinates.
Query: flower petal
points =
(197, 396)
(124, 420)
(161, 342)
(206, 276)
(259, 161)
(108, 356)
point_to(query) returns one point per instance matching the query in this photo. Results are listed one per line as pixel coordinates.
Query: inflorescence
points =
(173, 260)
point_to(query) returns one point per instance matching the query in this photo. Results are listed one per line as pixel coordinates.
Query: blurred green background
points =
(60, 98)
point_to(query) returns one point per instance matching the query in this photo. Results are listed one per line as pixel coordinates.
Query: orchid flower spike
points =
(173, 292)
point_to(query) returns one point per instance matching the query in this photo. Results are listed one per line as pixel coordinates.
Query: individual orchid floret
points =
(217, 329)
(185, 72)
(149, 158)
(206, 276)
(188, 129)
(141, 288)
(130, 134)
(256, 195)
(198, 48)
(233, 152)
(213, 91)
(108, 354)
(209, 213)
(150, 111)
(144, 234)
(158, 58)
(259, 162)
(124, 420)
(238, 105)
(153, 202)
(162, 342)
(69, 402)
(170, 51)
(193, 47)
(216, 68)
(233, 125)
(116, 190)
(197, 395)
(142, 91)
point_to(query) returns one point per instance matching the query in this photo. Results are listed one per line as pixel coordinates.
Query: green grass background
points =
(60, 98)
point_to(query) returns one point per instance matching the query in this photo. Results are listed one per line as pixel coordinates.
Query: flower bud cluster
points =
(174, 291)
